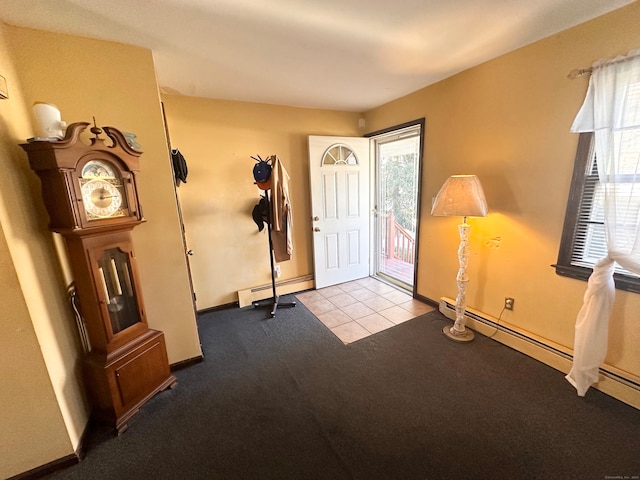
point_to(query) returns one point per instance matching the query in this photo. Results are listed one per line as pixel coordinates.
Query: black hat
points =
(261, 170)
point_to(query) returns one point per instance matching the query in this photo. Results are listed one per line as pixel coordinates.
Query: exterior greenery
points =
(399, 183)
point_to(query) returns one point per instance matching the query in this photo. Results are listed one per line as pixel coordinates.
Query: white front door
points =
(339, 175)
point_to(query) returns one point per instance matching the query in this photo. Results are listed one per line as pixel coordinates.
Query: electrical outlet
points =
(508, 303)
(276, 270)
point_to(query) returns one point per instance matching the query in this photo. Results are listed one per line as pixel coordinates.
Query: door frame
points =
(374, 187)
(187, 251)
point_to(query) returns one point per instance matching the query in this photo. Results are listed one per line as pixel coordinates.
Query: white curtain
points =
(612, 111)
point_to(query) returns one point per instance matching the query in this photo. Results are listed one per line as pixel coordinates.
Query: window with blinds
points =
(584, 238)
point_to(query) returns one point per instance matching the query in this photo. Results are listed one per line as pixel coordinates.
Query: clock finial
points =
(95, 129)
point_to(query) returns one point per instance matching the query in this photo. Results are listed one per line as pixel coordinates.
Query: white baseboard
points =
(621, 385)
(248, 296)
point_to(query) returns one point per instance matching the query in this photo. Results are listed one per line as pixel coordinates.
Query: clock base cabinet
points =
(121, 382)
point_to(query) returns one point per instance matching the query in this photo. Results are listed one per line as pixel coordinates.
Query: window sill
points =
(622, 282)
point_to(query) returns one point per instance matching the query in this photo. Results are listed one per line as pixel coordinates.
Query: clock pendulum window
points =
(91, 196)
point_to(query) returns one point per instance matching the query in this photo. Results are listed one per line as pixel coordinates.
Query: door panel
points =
(331, 252)
(329, 194)
(340, 203)
(355, 255)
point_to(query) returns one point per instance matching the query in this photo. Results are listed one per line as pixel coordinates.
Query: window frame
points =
(576, 194)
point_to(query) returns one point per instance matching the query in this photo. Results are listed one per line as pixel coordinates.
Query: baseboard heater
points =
(555, 357)
(248, 296)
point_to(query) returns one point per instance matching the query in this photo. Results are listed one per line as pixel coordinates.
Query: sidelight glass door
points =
(397, 159)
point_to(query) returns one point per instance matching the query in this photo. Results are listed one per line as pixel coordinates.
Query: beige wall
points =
(508, 122)
(33, 369)
(116, 84)
(218, 139)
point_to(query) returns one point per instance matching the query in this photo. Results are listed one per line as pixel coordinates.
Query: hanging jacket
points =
(282, 229)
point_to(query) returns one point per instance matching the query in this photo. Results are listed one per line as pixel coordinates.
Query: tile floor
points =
(357, 309)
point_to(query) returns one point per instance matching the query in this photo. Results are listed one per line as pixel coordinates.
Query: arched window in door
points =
(339, 154)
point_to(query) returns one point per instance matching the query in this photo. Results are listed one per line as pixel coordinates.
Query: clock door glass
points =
(114, 271)
(102, 190)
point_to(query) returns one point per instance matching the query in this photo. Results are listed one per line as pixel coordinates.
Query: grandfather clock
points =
(90, 193)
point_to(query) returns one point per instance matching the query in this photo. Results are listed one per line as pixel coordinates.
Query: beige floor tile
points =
(396, 314)
(417, 307)
(357, 310)
(381, 288)
(397, 297)
(362, 294)
(367, 281)
(318, 307)
(329, 292)
(349, 286)
(342, 300)
(375, 323)
(350, 332)
(334, 318)
(309, 296)
(378, 303)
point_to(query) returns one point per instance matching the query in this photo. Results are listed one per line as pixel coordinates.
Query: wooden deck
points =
(397, 269)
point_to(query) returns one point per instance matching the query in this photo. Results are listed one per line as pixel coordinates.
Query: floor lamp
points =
(461, 195)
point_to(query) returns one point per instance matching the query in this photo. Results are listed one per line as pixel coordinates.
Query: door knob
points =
(316, 218)
(317, 229)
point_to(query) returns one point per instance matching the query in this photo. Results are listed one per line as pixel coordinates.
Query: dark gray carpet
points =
(283, 398)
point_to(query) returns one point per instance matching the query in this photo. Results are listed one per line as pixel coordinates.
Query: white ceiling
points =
(350, 55)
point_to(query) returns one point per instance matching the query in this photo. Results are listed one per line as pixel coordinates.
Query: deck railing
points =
(400, 243)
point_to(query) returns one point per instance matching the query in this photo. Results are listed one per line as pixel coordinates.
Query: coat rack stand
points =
(272, 302)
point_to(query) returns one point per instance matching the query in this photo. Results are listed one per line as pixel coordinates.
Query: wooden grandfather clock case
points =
(91, 196)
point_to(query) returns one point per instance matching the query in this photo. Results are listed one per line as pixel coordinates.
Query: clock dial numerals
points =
(102, 199)
(102, 191)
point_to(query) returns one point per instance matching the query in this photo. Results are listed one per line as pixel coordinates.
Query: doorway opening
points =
(397, 159)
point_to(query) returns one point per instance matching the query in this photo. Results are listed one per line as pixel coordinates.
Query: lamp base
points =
(464, 336)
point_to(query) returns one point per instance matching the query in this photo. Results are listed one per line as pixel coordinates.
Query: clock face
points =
(101, 198)
(102, 190)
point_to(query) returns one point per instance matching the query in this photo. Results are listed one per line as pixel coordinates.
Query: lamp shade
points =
(462, 196)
